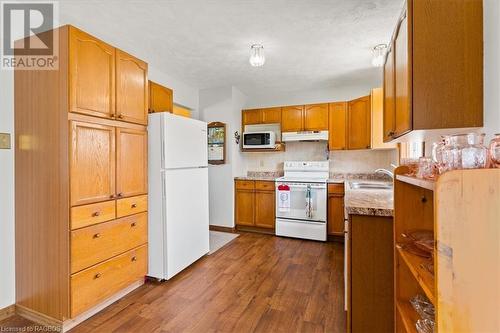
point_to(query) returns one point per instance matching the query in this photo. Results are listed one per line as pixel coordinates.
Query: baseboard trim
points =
(256, 230)
(7, 312)
(60, 326)
(222, 229)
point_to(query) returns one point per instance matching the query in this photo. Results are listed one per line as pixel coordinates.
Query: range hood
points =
(304, 136)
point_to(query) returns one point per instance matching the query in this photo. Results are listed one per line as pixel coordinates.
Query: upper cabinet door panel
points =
(132, 162)
(131, 88)
(337, 126)
(92, 158)
(252, 117)
(91, 75)
(389, 98)
(292, 118)
(403, 112)
(359, 121)
(316, 117)
(160, 97)
(271, 115)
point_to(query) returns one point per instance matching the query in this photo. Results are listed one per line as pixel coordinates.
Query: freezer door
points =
(186, 211)
(184, 142)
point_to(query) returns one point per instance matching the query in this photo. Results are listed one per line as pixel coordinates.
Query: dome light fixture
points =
(379, 55)
(257, 58)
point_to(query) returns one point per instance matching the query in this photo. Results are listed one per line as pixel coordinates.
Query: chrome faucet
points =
(385, 172)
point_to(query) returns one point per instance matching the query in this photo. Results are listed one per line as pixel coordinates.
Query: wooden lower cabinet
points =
(336, 209)
(255, 204)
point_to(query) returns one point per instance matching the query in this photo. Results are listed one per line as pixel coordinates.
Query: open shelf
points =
(280, 146)
(425, 183)
(408, 315)
(424, 278)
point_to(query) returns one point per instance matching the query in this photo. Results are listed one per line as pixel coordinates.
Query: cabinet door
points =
(271, 115)
(91, 75)
(251, 117)
(337, 120)
(245, 207)
(292, 118)
(403, 110)
(316, 117)
(264, 209)
(131, 162)
(359, 120)
(389, 98)
(160, 98)
(336, 215)
(131, 88)
(92, 158)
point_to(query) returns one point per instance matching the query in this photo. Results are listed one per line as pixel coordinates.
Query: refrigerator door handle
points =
(163, 189)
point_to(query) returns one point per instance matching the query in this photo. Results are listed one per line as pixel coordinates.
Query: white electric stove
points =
(301, 200)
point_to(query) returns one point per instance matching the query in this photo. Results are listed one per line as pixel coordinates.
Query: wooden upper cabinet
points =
(337, 120)
(377, 109)
(92, 163)
(160, 98)
(403, 110)
(251, 117)
(131, 88)
(389, 103)
(132, 162)
(271, 115)
(292, 118)
(359, 123)
(316, 117)
(91, 75)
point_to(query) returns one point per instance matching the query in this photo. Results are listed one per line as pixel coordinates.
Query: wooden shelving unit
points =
(462, 210)
(280, 146)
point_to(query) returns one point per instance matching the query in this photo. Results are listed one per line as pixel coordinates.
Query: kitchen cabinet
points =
(337, 129)
(316, 117)
(181, 111)
(251, 117)
(131, 88)
(424, 59)
(161, 98)
(292, 118)
(377, 126)
(254, 204)
(336, 209)
(261, 116)
(358, 123)
(80, 152)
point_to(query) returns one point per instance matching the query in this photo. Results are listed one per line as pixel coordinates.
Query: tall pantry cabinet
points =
(81, 180)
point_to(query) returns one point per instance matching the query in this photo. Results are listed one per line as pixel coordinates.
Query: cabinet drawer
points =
(336, 188)
(133, 205)
(83, 216)
(97, 243)
(264, 185)
(97, 283)
(245, 184)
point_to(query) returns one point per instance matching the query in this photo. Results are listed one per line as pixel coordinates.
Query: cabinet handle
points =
(98, 235)
(119, 116)
(423, 199)
(133, 205)
(368, 147)
(98, 275)
(119, 195)
(112, 196)
(134, 258)
(391, 134)
(133, 224)
(96, 214)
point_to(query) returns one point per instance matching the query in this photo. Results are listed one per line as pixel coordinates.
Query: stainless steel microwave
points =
(265, 139)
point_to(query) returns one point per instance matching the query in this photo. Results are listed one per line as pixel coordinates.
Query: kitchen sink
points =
(371, 186)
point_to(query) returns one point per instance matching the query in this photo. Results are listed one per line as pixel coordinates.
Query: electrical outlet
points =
(4, 140)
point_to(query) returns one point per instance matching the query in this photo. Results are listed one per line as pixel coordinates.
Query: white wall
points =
(7, 265)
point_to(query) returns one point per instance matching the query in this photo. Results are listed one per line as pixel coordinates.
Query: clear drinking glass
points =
(452, 152)
(437, 153)
(426, 168)
(495, 151)
(474, 153)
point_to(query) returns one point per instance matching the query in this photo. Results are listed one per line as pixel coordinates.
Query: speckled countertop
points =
(377, 202)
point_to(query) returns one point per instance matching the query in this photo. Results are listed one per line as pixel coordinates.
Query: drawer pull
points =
(97, 235)
(112, 196)
(423, 199)
(119, 116)
(98, 275)
(134, 258)
(120, 195)
(96, 214)
(134, 205)
(133, 224)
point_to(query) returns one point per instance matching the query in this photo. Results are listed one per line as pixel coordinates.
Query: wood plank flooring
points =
(257, 283)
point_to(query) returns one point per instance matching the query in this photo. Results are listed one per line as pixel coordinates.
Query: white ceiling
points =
(309, 44)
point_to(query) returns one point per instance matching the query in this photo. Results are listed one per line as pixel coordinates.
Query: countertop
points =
(376, 202)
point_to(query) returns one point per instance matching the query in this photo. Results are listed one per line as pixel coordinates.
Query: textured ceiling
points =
(309, 44)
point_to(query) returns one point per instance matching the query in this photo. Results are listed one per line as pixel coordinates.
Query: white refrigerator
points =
(178, 193)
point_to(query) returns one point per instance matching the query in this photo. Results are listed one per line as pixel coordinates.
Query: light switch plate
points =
(4, 140)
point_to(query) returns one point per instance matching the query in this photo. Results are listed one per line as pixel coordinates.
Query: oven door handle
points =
(314, 187)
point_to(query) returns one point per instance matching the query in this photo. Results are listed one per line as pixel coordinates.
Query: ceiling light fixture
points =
(379, 55)
(257, 57)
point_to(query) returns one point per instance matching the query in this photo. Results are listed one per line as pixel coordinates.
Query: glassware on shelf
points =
(425, 326)
(437, 153)
(452, 151)
(426, 169)
(423, 306)
(474, 154)
(495, 151)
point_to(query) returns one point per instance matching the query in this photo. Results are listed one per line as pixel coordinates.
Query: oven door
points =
(307, 202)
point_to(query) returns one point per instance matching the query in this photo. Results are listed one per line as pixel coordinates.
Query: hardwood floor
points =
(257, 283)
